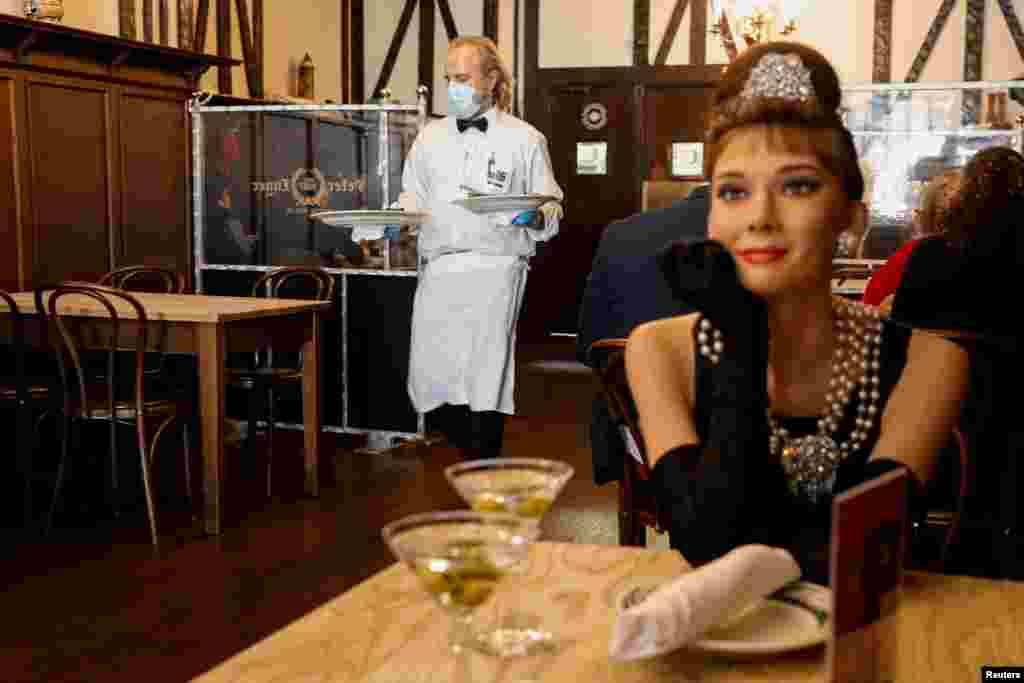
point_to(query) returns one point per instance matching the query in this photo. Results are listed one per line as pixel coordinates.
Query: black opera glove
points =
(704, 275)
(702, 500)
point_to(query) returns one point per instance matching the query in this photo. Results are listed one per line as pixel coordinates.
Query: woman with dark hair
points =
(776, 395)
(956, 285)
(930, 219)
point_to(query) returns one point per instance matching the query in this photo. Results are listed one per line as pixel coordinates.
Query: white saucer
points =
(499, 203)
(775, 627)
(339, 219)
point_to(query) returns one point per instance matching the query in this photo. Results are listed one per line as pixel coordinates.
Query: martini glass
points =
(459, 558)
(526, 488)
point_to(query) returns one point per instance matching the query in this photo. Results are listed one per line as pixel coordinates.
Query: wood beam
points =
(165, 23)
(491, 20)
(974, 52)
(202, 18)
(449, 21)
(698, 32)
(258, 48)
(346, 54)
(669, 39)
(248, 51)
(224, 45)
(532, 101)
(881, 51)
(396, 45)
(930, 39)
(426, 51)
(126, 18)
(147, 21)
(185, 28)
(358, 60)
(1013, 23)
(641, 32)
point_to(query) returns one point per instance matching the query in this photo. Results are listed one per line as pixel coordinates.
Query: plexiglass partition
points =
(907, 133)
(259, 172)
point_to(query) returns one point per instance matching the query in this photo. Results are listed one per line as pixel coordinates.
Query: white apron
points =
(463, 332)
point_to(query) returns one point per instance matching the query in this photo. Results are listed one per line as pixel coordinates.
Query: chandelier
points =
(755, 20)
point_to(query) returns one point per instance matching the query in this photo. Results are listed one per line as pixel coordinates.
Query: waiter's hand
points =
(539, 218)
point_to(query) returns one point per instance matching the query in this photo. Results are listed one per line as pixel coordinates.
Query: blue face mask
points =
(463, 100)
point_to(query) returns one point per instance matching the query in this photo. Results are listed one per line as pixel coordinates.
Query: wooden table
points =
(387, 629)
(208, 326)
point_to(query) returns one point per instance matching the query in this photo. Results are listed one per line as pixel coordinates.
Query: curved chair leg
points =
(186, 447)
(271, 420)
(61, 473)
(147, 458)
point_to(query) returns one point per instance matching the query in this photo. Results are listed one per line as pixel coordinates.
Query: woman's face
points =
(778, 212)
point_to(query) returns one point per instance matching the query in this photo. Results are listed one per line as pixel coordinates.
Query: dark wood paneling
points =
(358, 62)
(69, 178)
(671, 114)
(426, 51)
(881, 53)
(698, 32)
(446, 17)
(641, 32)
(9, 196)
(154, 153)
(974, 52)
(126, 18)
(224, 44)
(491, 19)
(930, 39)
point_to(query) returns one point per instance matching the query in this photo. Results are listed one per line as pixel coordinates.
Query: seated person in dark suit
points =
(626, 288)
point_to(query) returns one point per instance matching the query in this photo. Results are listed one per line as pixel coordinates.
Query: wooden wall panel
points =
(154, 170)
(9, 196)
(68, 141)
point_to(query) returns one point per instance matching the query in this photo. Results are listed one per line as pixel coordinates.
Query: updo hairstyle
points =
(808, 125)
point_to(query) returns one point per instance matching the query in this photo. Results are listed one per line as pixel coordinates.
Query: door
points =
(584, 125)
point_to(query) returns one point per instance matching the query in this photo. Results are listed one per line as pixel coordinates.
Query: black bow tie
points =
(480, 124)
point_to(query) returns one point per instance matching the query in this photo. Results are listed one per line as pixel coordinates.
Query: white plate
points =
(339, 219)
(776, 627)
(503, 202)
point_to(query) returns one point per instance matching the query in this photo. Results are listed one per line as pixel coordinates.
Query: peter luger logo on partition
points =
(309, 187)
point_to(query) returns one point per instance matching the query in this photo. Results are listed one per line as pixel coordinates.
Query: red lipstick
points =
(761, 256)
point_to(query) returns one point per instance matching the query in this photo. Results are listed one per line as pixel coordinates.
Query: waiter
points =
(462, 362)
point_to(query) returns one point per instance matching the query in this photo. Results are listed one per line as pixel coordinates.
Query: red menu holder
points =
(869, 539)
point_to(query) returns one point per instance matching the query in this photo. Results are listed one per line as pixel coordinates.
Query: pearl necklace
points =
(811, 461)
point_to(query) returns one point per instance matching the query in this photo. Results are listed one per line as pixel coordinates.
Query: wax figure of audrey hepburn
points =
(776, 395)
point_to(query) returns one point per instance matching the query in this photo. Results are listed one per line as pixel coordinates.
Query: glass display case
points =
(259, 173)
(905, 134)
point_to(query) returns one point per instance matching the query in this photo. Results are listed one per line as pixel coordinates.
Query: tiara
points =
(782, 76)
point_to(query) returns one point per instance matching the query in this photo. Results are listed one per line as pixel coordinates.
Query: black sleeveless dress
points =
(769, 512)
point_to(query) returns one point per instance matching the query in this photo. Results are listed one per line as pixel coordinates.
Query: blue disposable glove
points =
(530, 219)
(392, 232)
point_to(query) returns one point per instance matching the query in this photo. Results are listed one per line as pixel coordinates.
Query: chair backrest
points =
(291, 282)
(74, 378)
(145, 279)
(637, 503)
(296, 282)
(16, 343)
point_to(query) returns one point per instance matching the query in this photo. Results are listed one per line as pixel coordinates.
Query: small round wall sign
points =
(595, 116)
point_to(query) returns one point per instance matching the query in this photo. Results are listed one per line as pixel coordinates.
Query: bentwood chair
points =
(145, 279)
(121, 396)
(638, 509)
(22, 391)
(267, 371)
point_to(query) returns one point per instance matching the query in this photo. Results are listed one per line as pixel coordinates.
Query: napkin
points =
(367, 232)
(679, 612)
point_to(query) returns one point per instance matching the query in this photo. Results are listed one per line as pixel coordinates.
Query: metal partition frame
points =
(197, 110)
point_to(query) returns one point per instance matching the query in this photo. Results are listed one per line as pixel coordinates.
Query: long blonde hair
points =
(491, 60)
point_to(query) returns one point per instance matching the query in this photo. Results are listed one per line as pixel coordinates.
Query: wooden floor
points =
(94, 602)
